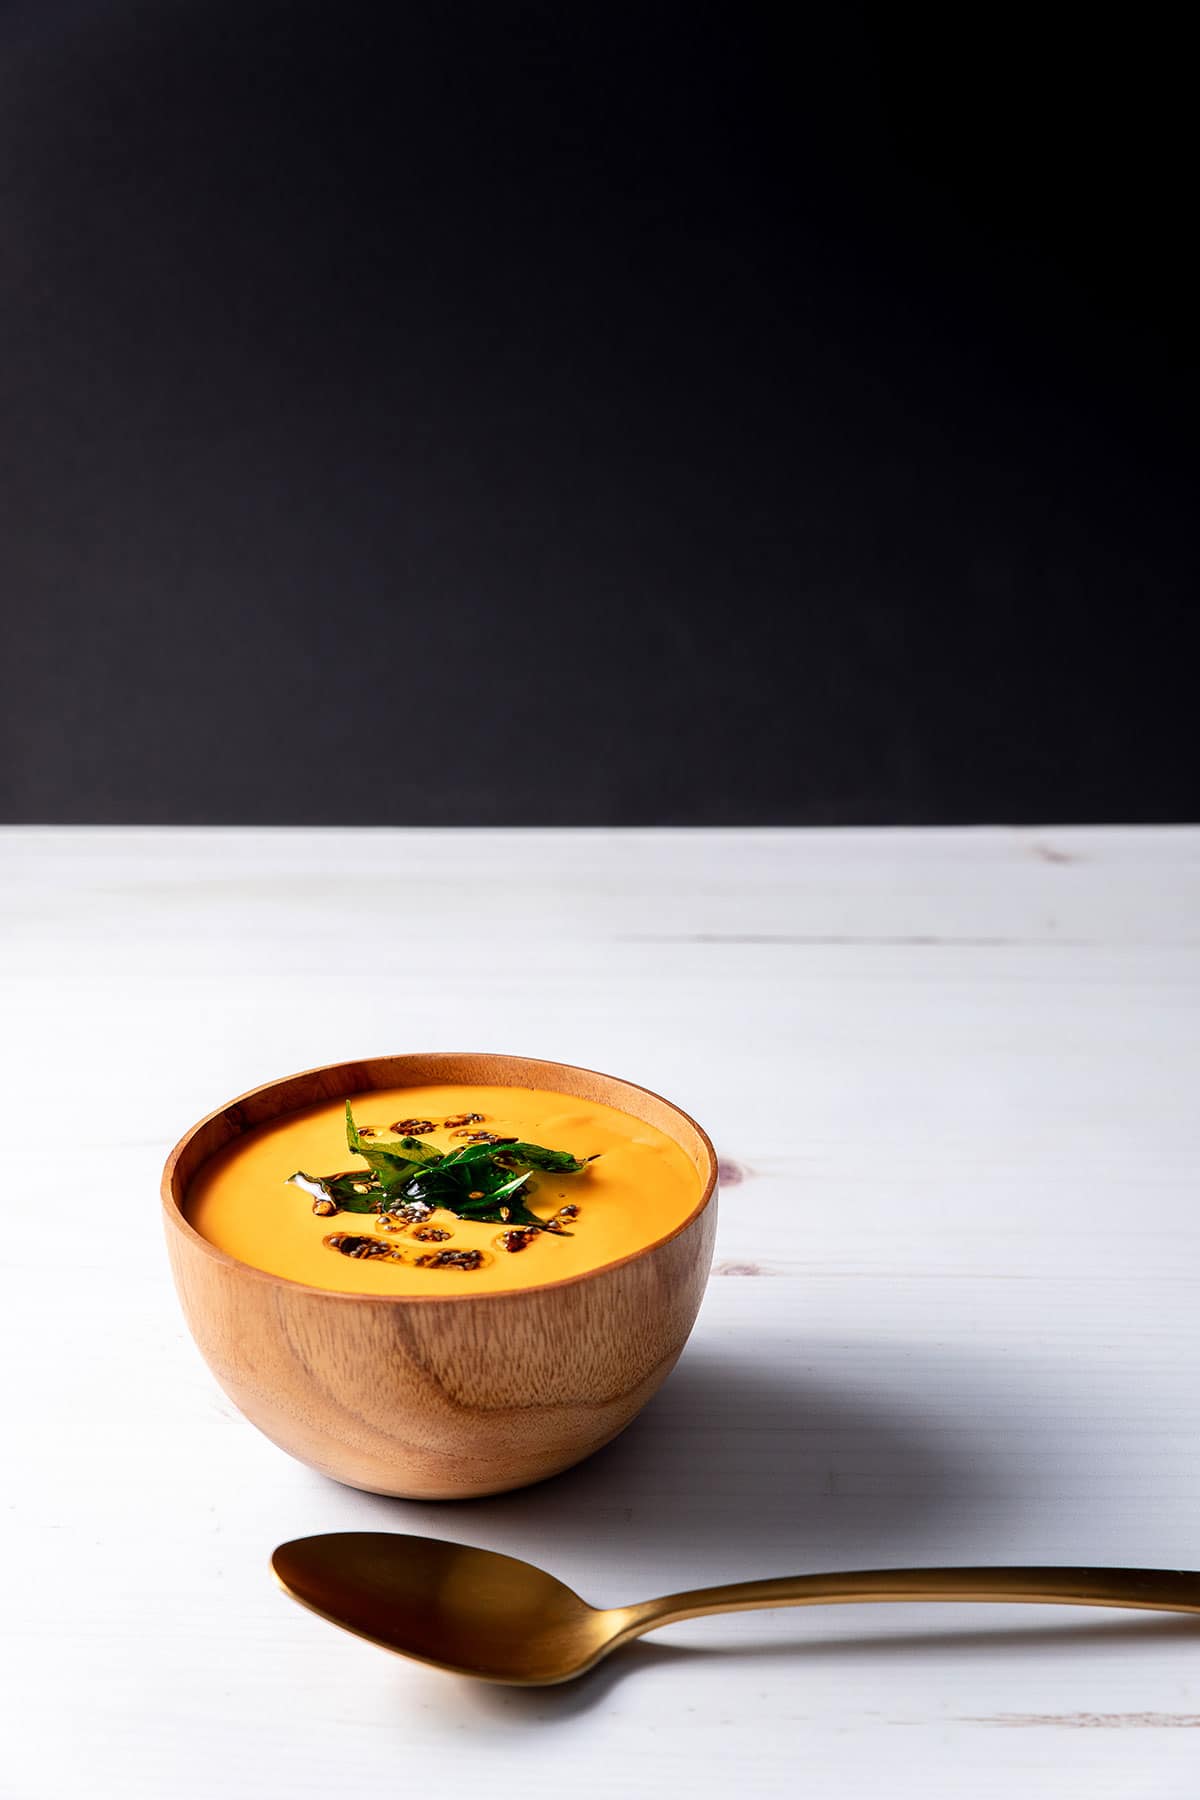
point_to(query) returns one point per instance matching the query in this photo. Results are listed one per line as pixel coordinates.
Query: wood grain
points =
(958, 1070)
(434, 1397)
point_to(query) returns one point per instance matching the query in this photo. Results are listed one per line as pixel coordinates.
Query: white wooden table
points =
(954, 1315)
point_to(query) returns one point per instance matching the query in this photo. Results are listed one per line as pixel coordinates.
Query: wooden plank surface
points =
(954, 1314)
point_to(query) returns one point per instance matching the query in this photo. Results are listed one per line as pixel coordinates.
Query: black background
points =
(599, 414)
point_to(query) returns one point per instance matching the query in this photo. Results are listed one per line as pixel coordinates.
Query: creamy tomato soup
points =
(349, 1228)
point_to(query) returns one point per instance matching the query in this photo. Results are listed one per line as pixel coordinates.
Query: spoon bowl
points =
(476, 1612)
(471, 1611)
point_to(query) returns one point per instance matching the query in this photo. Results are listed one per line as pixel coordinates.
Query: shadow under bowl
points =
(437, 1396)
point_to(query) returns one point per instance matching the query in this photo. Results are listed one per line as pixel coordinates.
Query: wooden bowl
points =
(436, 1396)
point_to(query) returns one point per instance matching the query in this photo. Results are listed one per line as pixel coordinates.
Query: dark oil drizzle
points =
(371, 1249)
(361, 1248)
(409, 1212)
(453, 1259)
(518, 1237)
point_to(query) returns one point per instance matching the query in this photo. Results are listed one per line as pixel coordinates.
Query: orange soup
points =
(348, 1227)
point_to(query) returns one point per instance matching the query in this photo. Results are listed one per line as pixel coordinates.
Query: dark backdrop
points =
(597, 413)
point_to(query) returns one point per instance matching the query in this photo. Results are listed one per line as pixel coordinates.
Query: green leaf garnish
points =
(533, 1156)
(516, 1155)
(474, 1181)
(392, 1160)
(341, 1189)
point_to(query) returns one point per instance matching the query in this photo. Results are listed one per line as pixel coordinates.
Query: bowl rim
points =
(176, 1219)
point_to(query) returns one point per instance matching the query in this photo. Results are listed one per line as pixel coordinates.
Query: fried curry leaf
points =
(516, 1154)
(533, 1156)
(485, 1193)
(503, 1205)
(392, 1160)
(467, 1154)
(343, 1190)
(474, 1181)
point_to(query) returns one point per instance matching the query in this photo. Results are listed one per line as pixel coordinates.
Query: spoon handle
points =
(1154, 1590)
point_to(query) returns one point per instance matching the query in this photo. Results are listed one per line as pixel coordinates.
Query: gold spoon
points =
(476, 1612)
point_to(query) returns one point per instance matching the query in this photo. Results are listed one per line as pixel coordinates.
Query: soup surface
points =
(640, 1187)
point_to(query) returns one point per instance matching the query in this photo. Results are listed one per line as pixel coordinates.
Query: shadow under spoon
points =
(478, 1613)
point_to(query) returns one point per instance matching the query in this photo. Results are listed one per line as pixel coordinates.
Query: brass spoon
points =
(476, 1612)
